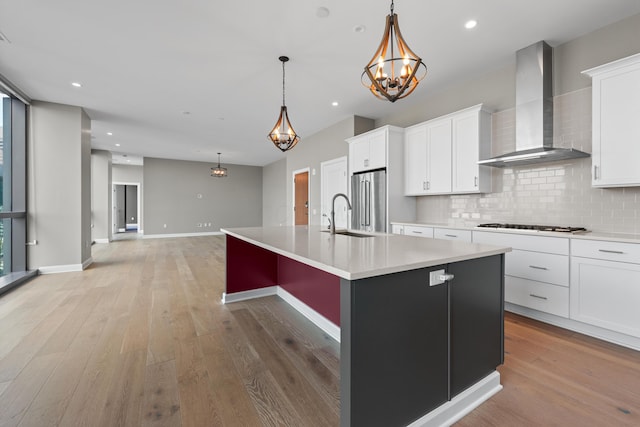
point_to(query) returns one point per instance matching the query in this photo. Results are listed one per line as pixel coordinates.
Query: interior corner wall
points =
(274, 193)
(101, 221)
(59, 208)
(182, 195)
(324, 145)
(131, 174)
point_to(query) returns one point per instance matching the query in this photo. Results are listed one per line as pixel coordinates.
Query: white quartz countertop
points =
(360, 257)
(589, 235)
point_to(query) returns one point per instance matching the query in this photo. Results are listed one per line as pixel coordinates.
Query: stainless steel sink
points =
(348, 233)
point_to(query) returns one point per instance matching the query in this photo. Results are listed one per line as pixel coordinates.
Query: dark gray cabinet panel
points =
(394, 351)
(477, 320)
(407, 347)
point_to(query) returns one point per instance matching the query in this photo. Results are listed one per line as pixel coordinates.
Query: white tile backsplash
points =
(557, 193)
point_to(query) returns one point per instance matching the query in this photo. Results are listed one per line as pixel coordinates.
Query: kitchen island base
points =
(418, 347)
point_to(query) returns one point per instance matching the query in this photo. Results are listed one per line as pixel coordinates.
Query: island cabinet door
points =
(477, 320)
(394, 348)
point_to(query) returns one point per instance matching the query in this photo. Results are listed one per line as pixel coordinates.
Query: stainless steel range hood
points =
(534, 112)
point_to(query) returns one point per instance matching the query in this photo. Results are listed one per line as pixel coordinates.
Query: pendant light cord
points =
(391, 7)
(283, 104)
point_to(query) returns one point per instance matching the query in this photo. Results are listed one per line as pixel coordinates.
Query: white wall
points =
(101, 196)
(59, 187)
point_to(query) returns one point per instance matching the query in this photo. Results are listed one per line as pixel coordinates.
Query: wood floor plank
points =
(161, 400)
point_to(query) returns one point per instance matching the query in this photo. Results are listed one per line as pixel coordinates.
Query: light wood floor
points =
(140, 338)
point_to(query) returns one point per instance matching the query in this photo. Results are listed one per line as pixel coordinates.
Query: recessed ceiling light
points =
(186, 113)
(129, 160)
(76, 84)
(470, 24)
(335, 103)
(322, 12)
(117, 145)
(109, 133)
(359, 29)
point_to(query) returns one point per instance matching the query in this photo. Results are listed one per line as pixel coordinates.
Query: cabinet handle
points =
(595, 172)
(417, 232)
(611, 252)
(538, 268)
(475, 181)
(451, 235)
(538, 296)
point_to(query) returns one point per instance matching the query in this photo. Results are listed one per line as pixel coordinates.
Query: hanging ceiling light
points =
(283, 136)
(219, 172)
(405, 68)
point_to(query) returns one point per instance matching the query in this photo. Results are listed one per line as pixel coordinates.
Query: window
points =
(13, 217)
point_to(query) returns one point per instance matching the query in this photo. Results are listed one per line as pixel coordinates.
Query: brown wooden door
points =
(301, 203)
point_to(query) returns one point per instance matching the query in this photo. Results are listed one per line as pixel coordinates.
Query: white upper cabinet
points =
(616, 128)
(368, 151)
(471, 142)
(428, 158)
(441, 155)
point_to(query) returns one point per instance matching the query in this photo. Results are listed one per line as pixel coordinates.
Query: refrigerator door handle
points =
(367, 202)
(362, 203)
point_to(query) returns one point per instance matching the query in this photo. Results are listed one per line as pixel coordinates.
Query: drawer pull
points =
(537, 296)
(611, 252)
(450, 235)
(538, 268)
(417, 232)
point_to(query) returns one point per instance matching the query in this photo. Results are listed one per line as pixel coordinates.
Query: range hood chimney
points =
(534, 112)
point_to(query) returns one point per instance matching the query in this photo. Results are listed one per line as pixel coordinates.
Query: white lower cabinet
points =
(452, 234)
(606, 293)
(539, 296)
(418, 230)
(536, 270)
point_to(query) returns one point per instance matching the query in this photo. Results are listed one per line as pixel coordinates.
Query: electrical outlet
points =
(199, 225)
(435, 277)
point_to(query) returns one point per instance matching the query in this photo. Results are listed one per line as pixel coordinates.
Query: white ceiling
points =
(185, 79)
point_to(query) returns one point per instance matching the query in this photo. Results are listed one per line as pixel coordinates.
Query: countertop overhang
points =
(355, 258)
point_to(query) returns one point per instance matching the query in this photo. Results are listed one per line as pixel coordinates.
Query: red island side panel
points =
(249, 266)
(316, 288)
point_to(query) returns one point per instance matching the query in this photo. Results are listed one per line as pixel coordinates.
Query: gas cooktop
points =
(554, 228)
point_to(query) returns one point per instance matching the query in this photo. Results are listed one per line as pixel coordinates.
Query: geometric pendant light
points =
(282, 135)
(218, 171)
(394, 70)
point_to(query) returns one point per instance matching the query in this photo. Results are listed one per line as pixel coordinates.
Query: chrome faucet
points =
(332, 227)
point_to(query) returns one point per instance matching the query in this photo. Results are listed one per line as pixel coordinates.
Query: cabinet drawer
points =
(416, 230)
(552, 245)
(538, 296)
(452, 234)
(548, 268)
(611, 251)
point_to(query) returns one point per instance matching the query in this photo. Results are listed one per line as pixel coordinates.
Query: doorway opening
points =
(301, 197)
(126, 208)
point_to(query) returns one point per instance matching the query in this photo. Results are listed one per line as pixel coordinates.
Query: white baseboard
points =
(245, 295)
(101, 240)
(167, 236)
(316, 318)
(576, 326)
(453, 411)
(52, 269)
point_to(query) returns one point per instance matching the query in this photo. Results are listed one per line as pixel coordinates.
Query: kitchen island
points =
(420, 321)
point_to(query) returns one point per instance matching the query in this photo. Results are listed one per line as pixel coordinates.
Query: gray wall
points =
(325, 145)
(274, 193)
(59, 186)
(171, 197)
(101, 196)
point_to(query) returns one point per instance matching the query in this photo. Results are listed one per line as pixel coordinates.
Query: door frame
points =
(323, 165)
(293, 194)
(114, 226)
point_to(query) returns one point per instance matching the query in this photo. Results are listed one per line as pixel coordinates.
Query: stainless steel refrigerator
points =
(369, 201)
